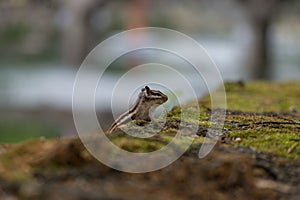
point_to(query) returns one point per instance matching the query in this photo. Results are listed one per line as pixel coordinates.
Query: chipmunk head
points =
(155, 96)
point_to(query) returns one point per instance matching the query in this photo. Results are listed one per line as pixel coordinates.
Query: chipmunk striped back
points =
(140, 110)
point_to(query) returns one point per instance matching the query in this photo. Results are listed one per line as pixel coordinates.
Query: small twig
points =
(273, 122)
(292, 147)
(268, 122)
(243, 124)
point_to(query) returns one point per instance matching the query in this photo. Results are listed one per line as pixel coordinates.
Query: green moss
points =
(273, 141)
(267, 123)
(140, 145)
(14, 163)
(263, 115)
(263, 96)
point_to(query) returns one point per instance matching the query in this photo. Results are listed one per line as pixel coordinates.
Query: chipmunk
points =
(147, 101)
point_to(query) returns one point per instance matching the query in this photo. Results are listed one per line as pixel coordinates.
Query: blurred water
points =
(52, 86)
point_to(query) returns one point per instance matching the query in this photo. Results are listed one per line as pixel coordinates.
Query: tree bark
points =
(260, 58)
(260, 15)
(75, 30)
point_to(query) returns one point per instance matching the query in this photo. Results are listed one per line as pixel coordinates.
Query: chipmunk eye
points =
(156, 94)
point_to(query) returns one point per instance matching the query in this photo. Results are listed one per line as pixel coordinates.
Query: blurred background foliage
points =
(42, 44)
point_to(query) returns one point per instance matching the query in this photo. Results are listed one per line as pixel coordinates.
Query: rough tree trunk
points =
(75, 32)
(260, 58)
(260, 15)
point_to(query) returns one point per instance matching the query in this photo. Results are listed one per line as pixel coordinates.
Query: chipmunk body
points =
(147, 101)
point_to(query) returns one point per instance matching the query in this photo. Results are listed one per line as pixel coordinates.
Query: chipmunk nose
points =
(165, 98)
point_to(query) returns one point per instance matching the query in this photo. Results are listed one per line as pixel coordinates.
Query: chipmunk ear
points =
(147, 89)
